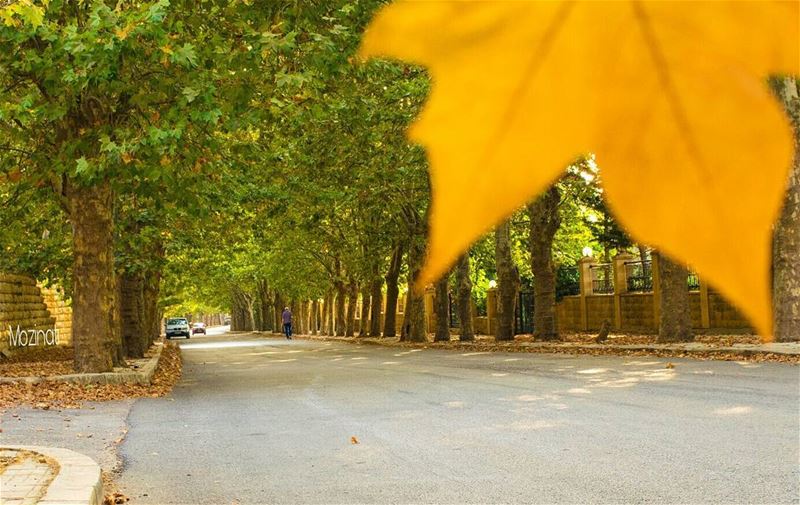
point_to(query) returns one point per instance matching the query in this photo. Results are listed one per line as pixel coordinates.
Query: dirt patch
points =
(47, 395)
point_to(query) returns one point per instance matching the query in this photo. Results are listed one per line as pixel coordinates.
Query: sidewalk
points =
(788, 352)
(48, 476)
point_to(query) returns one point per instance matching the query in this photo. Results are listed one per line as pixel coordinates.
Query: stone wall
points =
(637, 311)
(722, 314)
(568, 313)
(61, 311)
(25, 305)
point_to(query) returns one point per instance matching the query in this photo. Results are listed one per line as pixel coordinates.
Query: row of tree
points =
(202, 156)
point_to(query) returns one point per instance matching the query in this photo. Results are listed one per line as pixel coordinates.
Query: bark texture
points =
(242, 318)
(352, 305)
(278, 304)
(376, 295)
(265, 307)
(133, 314)
(544, 223)
(786, 243)
(507, 282)
(93, 276)
(441, 301)
(150, 294)
(341, 295)
(414, 320)
(327, 315)
(675, 317)
(363, 329)
(464, 299)
(392, 292)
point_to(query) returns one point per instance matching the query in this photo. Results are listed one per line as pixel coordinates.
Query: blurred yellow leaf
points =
(122, 33)
(672, 98)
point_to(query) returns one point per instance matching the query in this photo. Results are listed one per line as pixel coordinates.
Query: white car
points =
(178, 327)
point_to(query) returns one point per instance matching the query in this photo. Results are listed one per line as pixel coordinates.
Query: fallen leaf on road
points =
(670, 365)
(353, 440)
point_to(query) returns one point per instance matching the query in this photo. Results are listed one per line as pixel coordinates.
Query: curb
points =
(79, 481)
(143, 376)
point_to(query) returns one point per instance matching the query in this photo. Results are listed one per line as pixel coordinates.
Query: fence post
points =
(620, 285)
(585, 272)
(656, 267)
(491, 309)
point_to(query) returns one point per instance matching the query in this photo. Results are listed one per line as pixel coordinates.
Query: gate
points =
(523, 316)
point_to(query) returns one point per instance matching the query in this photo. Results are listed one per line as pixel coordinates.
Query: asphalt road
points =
(259, 420)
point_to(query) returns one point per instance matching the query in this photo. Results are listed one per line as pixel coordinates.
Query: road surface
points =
(266, 420)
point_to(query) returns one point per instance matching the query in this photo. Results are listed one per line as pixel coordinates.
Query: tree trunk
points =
(543, 227)
(441, 303)
(93, 276)
(133, 314)
(675, 317)
(326, 308)
(150, 293)
(314, 330)
(297, 316)
(265, 307)
(242, 311)
(414, 320)
(341, 313)
(352, 304)
(507, 282)
(118, 347)
(392, 292)
(464, 299)
(376, 295)
(786, 242)
(363, 327)
(278, 305)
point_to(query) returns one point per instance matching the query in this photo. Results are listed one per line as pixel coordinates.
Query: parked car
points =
(177, 327)
(199, 328)
(227, 321)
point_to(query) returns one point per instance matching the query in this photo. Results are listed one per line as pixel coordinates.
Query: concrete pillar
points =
(585, 271)
(620, 285)
(491, 310)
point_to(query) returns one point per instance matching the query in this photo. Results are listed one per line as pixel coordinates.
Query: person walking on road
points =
(286, 317)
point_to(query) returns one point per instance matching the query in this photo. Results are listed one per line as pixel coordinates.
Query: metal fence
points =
(639, 275)
(523, 316)
(453, 308)
(602, 278)
(693, 282)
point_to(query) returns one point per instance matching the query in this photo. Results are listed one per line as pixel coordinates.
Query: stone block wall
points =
(568, 313)
(26, 305)
(724, 315)
(598, 309)
(61, 311)
(637, 311)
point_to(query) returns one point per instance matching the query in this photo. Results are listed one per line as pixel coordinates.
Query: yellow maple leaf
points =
(672, 97)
